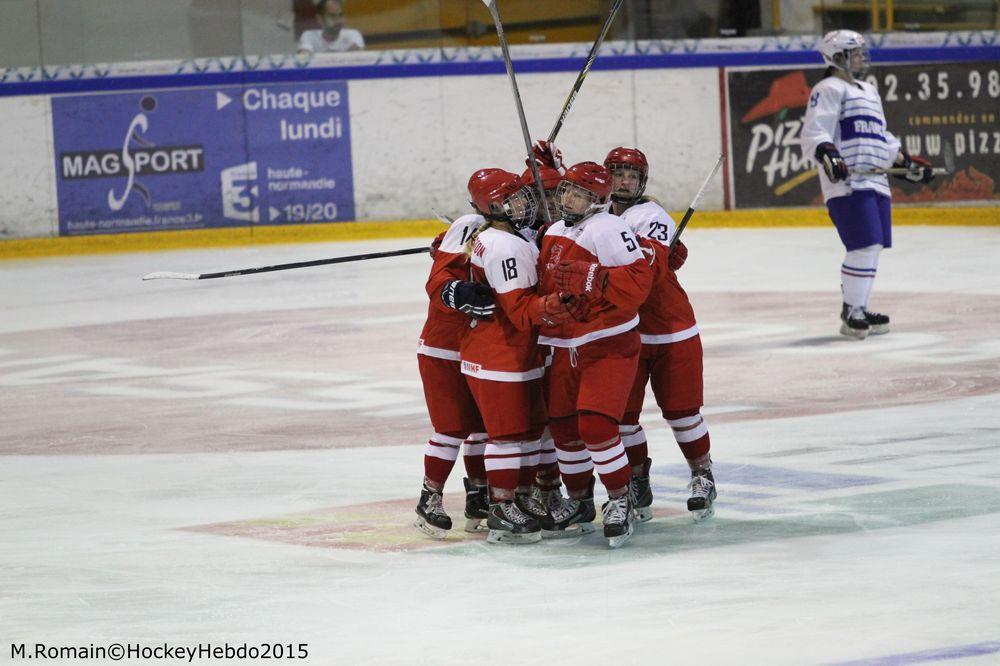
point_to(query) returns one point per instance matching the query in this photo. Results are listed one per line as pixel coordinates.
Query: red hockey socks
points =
(439, 458)
(575, 465)
(691, 434)
(472, 456)
(600, 435)
(634, 440)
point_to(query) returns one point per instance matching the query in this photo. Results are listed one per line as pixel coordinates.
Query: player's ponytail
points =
(491, 222)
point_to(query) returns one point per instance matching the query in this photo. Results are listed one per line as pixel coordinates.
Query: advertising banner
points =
(928, 106)
(203, 158)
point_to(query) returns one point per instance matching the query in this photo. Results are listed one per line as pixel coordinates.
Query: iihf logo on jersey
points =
(138, 156)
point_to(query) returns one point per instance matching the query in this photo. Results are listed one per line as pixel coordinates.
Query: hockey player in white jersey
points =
(501, 360)
(845, 131)
(671, 359)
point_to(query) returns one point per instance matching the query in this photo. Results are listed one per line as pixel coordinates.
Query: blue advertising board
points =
(203, 158)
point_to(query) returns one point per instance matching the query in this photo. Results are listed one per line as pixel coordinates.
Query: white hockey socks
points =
(857, 275)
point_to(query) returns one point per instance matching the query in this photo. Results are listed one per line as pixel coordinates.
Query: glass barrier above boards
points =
(35, 33)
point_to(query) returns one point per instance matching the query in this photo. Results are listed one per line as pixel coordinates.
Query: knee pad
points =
(597, 428)
(863, 258)
(680, 414)
(564, 430)
(630, 419)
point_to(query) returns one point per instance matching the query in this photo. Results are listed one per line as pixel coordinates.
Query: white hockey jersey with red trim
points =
(441, 332)
(666, 316)
(606, 239)
(505, 348)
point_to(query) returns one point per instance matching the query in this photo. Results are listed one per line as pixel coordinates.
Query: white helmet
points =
(839, 46)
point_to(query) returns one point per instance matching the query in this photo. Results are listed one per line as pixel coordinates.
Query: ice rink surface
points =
(238, 460)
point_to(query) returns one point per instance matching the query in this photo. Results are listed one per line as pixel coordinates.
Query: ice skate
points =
(532, 505)
(702, 499)
(641, 494)
(570, 517)
(508, 524)
(477, 506)
(618, 522)
(431, 517)
(877, 323)
(853, 322)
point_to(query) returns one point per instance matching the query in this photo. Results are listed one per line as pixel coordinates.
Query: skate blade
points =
(643, 514)
(574, 530)
(474, 525)
(500, 536)
(880, 329)
(620, 540)
(430, 530)
(853, 332)
(702, 514)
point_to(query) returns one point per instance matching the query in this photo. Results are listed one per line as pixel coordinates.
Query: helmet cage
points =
(519, 207)
(620, 168)
(571, 218)
(844, 61)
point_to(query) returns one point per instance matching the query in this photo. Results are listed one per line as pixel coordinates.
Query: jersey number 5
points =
(509, 267)
(629, 242)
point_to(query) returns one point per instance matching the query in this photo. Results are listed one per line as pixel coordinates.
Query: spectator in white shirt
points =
(334, 36)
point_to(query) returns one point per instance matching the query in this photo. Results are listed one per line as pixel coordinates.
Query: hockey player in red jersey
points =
(596, 256)
(450, 405)
(671, 357)
(500, 356)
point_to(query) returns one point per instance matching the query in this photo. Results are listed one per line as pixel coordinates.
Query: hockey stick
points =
(491, 5)
(947, 155)
(442, 217)
(696, 202)
(898, 171)
(591, 57)
(167, 275)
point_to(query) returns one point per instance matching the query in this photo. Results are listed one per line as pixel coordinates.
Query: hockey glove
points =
(678, 255)
(920, 169)
(577, 306)
(546, 153)
(471, 298)
(581, 278)
(833, 164)
(436, 243)
(551, 310)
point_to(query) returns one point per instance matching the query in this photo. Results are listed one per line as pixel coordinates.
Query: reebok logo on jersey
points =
(588, 286)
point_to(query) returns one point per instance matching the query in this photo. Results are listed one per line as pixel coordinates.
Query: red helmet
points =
(592, 177)
(587, 178)
(488, 186)
(500, 195)
(550, 177)
(628, 159)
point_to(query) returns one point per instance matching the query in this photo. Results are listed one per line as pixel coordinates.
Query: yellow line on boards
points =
(215, 238)
(26, 248)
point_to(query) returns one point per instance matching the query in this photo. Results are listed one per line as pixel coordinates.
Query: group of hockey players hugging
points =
(538, 345)
(540, 338)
